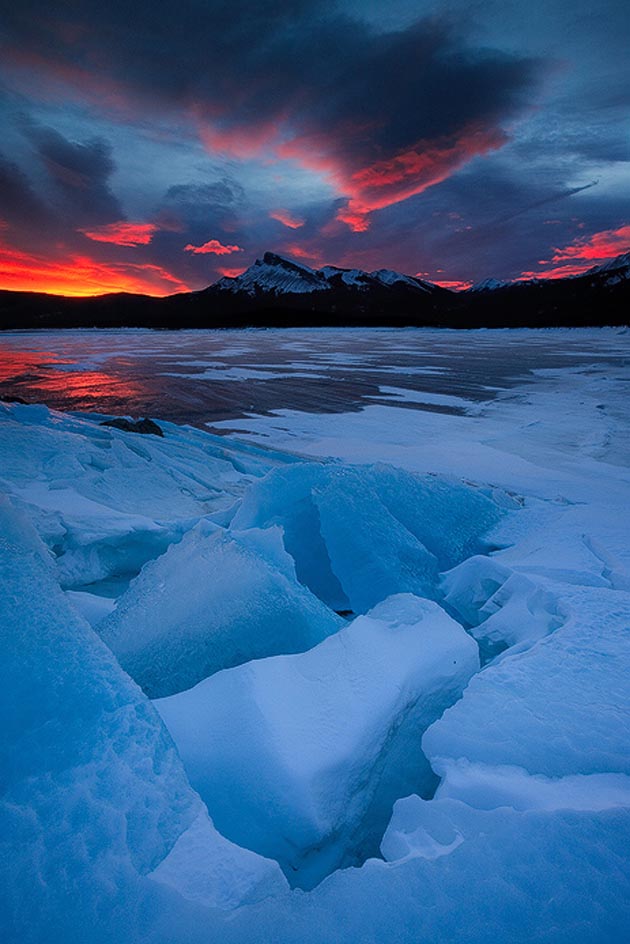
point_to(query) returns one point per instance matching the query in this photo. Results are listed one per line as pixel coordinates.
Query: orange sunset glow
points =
(81, 276)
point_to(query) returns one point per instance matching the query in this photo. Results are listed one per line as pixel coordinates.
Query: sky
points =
(157, 146)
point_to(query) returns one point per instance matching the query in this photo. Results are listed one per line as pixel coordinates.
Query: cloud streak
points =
(123, 233)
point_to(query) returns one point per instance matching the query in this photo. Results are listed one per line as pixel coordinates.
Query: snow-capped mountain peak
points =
(620, 266)
(389, 277)
(276, 274)
(488, 285)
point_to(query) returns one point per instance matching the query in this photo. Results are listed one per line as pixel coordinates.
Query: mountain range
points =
(277, 291)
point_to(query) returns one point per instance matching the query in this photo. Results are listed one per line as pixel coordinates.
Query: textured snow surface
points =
(510, 785)
(106, 501)
(93, 793)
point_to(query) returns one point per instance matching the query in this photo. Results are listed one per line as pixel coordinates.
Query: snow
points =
(206, 868)
(214, 600)
(105, 501)
(352, 277)
(301, 757)
(620, 264)
(421, 396)
(488, 285)
(510, 783)
(389, 277)
(278, 274)
(274, 273)
(568, 697)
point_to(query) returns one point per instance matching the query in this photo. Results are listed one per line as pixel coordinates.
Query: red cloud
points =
(597, 248)
(232, 273)
(123, 234)
(214, 247)
(582, 254)
(385, 183)
(312, 255)
(373, 187)
(454, 284)
(80, 275)
(287, 219)
(391, 181)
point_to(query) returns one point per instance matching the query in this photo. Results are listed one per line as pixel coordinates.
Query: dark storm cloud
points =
(299, 68)
(416, 120)
(79, 173)
(19, 204)
(202, 205)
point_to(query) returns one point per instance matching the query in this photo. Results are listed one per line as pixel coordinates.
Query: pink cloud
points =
(582, 254)
(214, 247)
(287, 219)
(123, 233)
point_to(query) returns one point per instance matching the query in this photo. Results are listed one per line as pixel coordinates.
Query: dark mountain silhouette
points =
(278, 292)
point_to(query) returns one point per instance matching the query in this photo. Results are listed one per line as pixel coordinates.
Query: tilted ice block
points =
(301, 757)
(502, 607)
(94, 795)
(360, 533)
(93, 790)
(214, 600)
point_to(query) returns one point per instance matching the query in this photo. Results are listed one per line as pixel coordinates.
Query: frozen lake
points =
(384, 617)
(202, 377)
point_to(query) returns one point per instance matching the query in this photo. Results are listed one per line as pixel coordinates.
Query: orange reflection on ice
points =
(15, 364)
(81, 385)
(42, 376)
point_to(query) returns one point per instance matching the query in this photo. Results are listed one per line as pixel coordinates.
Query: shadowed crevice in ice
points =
(304, 542)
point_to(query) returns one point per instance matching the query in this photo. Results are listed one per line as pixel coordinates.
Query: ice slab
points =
(301, 757)
(486, 788)
(214, 600)
(93, 791)
(361, 533)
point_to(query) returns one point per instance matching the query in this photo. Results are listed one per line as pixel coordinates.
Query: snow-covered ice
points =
(510, 784)
(94, 796)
